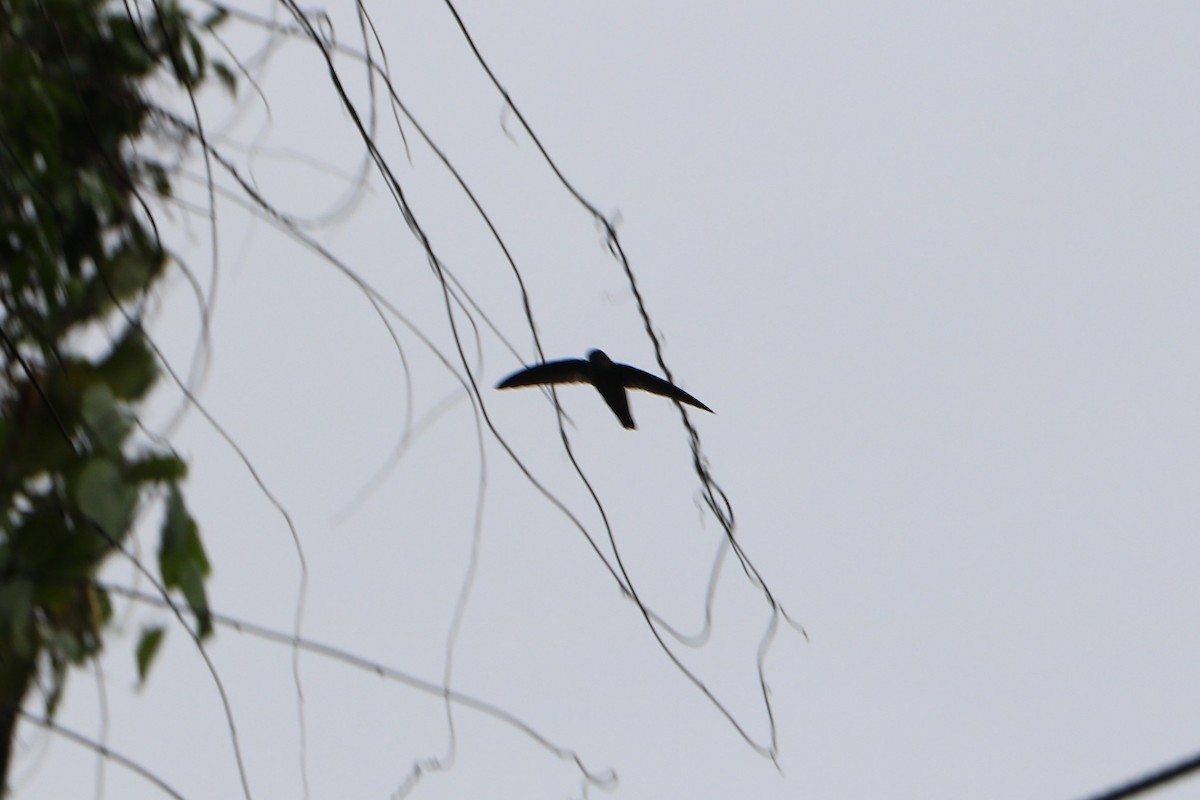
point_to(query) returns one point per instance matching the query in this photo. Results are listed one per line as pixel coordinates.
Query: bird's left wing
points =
(569, 370)
(634, 378)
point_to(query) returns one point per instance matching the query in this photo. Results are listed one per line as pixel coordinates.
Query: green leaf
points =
(181, 558)
(156, 469)
(74, 290)
(191, 583)
(147, 649)
(226, 76)
(130, 369)
(127, 273)
(106, 423)
(127, 41)
(105, 498)
(218, 15)
(158, 177)
(199, 60)
(16, 617)
(65, 645)
(54, 693)
(99, 193)
(180, 541)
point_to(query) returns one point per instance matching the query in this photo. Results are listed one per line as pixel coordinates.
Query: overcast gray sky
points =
(935, 268)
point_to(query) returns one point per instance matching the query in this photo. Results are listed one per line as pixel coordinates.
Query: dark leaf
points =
(16, 616)
(181, 558)
(130, 369)
(225, 76)
(215, 18)
(107, 424)
(147, 649)
(156, 469)
(105, 498)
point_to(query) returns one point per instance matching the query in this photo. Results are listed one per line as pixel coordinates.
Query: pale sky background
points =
(933, 265)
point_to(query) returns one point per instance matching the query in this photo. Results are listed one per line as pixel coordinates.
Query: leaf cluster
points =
(78, 255)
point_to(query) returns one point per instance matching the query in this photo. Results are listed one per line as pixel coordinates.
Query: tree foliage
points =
(79, 255)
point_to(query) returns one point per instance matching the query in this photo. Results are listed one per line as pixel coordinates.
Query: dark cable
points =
(1152, 781)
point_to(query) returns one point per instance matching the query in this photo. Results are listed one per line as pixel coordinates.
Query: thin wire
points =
(602, 779)
(714, 496)
(101, 749)
(1154, 780)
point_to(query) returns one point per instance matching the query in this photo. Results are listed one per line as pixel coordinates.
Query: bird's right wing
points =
(569, 370)
(635, 378)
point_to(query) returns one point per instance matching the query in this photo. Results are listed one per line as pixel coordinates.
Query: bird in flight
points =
(610, 379)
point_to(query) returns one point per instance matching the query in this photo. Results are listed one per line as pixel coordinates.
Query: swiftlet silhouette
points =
(609, 378)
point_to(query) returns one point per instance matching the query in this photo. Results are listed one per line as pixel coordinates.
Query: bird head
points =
(599, 358)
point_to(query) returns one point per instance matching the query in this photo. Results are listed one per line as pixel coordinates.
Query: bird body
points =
(610, 379)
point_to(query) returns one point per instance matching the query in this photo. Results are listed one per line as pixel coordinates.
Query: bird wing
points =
(569, 370)
(635, 378)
